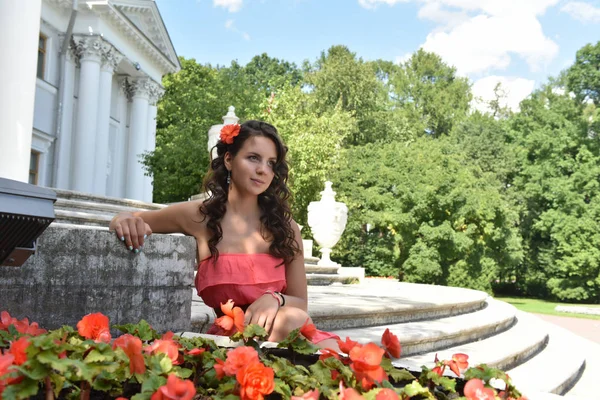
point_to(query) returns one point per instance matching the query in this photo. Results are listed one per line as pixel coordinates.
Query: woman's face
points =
(252, 167)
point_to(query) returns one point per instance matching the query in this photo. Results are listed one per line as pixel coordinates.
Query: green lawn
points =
(546, 307)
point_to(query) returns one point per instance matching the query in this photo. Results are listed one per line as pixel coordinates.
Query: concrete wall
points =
(77, 271)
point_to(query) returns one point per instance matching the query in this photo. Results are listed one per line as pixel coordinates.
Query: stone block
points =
(81, 270)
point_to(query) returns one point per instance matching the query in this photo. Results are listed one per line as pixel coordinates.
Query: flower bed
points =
(86, 363)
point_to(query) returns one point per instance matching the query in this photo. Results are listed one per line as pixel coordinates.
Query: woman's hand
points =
(130, 229)
(263, 312)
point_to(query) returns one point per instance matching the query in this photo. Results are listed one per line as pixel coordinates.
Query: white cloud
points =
(229, 25)
(230, 5)
(514, 91)
(581, 11)
(483, 43)
(478, 36)
(374, 3)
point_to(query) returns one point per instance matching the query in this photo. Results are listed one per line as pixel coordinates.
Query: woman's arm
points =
(296, 294)
(132, 227)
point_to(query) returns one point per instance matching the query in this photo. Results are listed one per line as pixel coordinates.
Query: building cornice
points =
(115, 17)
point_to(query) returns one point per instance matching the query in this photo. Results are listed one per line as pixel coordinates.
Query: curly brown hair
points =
(275, 216)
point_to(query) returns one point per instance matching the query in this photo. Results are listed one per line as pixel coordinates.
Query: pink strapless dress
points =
(242, 278)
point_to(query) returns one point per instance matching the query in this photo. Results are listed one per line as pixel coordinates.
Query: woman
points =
(249, 246)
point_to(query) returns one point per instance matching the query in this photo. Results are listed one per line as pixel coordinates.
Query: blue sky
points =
(517, 42)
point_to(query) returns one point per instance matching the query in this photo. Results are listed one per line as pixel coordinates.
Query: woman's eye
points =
(271, 163)
(253, 158)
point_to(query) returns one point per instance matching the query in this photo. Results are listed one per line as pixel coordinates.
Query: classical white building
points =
(99, 68)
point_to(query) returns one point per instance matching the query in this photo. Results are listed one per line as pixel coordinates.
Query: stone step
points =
(324, 279)
(87, 197)
(432, 335)
(93, 207)
(82, 218)
(311, 260)
(504, 350)
(588, 382)
(378, 302)
(556, 368)
(315, 269)
(375, 302)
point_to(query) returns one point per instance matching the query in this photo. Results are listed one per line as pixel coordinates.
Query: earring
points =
(228, 177)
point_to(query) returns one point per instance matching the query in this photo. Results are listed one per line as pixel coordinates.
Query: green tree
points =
(432, 96)
(340, 79)
(438, 220)
(583, 77)
(314, 139)
(558, 185)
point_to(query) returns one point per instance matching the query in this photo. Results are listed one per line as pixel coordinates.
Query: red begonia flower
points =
(308, 330)
(366, 362)
(219, 364)
(18, 349)
(458, 362)
(348, 394)
(165, 346)
(23, 326)
(474, 390)
(239, 358)
(195, 352)
(255, 381)
(233, 319)
(94, 327)
(348, 345)
(391, 343)
(326, 353)
(228, 132)
(175, 389)
(461, 360)
(132, 346)
(387, 394)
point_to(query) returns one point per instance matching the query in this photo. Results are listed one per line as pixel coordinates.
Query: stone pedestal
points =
(77, 271)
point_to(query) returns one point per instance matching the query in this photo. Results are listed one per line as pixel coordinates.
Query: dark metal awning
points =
(25, 212)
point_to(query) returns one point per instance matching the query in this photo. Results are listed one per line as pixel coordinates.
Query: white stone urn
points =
(215, 130)
(327, 219)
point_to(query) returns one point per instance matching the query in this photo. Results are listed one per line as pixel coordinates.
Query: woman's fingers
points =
(132, 231)
(247, 317)
(269, 324)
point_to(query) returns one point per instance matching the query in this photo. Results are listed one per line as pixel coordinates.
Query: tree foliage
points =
(441, 222)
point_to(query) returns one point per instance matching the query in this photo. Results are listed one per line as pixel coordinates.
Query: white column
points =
(151, 144)
(84, 143)
(64, 137)
(156, 94)
(110, 59)
(19, 35)
(138, 131)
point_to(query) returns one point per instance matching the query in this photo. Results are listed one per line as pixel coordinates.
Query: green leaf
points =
(153, 382)
(397, 374)
(142, 329)
(97, 356)
(415, 388)
(255, 331)
(282, 388)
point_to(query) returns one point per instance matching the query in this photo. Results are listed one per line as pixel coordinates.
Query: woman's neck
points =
(245, 206)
